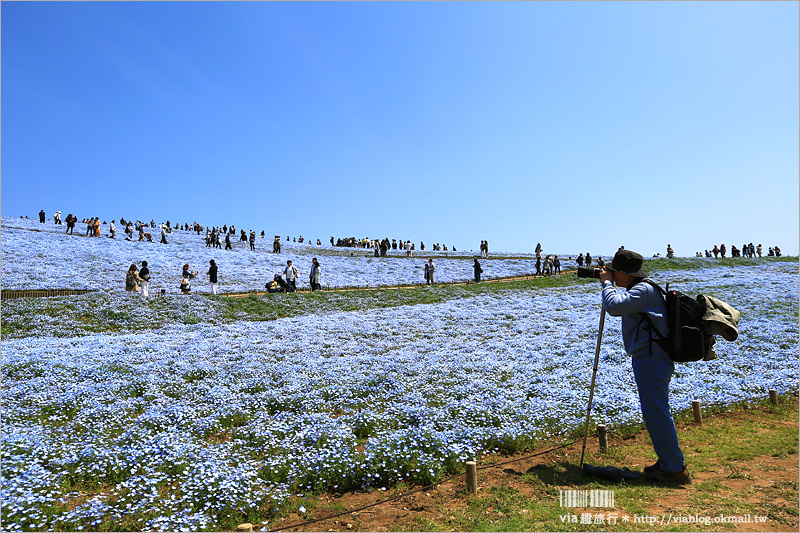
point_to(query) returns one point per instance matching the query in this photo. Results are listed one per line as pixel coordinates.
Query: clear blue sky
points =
(583, 126)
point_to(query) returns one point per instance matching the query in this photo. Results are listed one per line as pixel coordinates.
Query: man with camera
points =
(652, 366)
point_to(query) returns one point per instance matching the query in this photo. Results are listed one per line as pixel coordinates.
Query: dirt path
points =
(403, 287)
(524, 495)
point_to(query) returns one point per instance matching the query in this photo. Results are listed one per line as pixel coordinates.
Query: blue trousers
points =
(652, 374)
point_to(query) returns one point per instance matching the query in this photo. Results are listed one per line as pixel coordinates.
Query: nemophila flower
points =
(103, 260)
(184, 428)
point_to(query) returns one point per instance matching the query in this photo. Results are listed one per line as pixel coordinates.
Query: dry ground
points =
(742, 463)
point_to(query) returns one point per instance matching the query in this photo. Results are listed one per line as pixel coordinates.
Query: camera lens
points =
(584, 272)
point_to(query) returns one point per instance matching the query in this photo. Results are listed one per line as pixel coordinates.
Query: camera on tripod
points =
(584, 272)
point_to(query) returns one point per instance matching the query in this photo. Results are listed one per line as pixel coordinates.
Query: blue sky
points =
(583, 126)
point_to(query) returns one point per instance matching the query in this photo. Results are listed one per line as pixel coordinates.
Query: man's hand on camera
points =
(606, 275)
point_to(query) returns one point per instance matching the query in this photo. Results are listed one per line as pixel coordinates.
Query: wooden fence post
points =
(472, 477)
(698, 416)
(773, 396)
(602, 436)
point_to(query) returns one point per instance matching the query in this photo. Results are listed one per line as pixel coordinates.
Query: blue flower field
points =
(202, 425)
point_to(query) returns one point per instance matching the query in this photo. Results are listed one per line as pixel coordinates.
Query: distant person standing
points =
(228, 242)
(71, 219)
(429, 270)
(132, 279)
(163, 235)
(722, 250)
(315, 275)
(579, 260)
(759, 249)
(112, 229)
(670, 252)
(212, 275)
(476, 267)
(588, 260)
(186, 279)
(556, 265)
(290, 275)
(42, 216)
(252, 241)
(144, 275)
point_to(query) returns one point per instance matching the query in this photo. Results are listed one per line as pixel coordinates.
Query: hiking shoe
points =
(674, 478)
(653, 468)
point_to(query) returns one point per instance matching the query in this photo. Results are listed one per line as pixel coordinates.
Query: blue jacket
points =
(629, 304)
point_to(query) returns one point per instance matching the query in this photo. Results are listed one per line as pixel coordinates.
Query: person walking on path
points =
(315, 275)
(132, 279)
(163, 234)
(290, 275)
(144, 275)
(112, 230)
(538, 266)
(71, 223)
(212, 276)
(652, 366)
(556, 265)
(429, 269)
(228, 242)
(476, 267)
(186, 279)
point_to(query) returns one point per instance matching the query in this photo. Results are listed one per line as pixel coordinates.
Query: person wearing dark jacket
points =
(212, 273)
(144, 274)
(477, 268)
(186, 279)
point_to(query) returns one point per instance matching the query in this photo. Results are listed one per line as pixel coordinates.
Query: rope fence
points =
(41, 293)
(471, 468)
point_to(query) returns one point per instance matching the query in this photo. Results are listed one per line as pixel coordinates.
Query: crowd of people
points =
(747, 250)
(137, 280)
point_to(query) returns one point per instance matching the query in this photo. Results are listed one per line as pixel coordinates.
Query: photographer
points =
(186, 279)
(652, 367)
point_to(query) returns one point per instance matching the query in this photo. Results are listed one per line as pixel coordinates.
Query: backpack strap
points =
(662, 341)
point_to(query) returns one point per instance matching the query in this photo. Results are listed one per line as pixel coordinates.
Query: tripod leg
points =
(594, 375)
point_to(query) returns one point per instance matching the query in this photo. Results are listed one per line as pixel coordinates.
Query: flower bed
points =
(35, 257)
(189, 427)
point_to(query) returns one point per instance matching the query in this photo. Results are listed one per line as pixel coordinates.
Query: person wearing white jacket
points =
(290, 274)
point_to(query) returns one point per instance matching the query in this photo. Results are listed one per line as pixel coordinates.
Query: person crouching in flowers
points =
(186, 279)
(132, 279)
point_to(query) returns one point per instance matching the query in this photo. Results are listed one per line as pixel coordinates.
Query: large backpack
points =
(687, 338)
